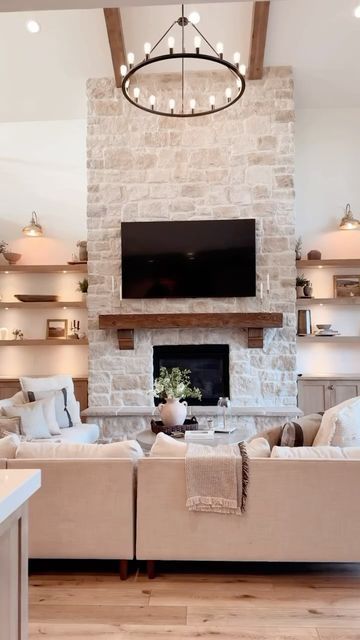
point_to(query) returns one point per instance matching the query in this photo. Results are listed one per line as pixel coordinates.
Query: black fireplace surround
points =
(209, 366)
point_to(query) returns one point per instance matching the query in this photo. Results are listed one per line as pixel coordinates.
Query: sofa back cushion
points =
(321, 452)
(9, 425)
(340, 425)
(48, 383)
(167, 447)
(127, 449)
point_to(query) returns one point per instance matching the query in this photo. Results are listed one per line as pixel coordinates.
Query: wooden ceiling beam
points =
(258, 39)
(116, 41)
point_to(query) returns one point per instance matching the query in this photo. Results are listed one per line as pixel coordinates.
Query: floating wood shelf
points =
(43, 305)
(54, 342)
(255, 323)
(345, 263)
(304, 302)
(43, 268)
(328, 339)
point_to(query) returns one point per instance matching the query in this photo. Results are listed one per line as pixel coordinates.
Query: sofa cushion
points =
(340, 425)
(320, 452)
(9, 445)
(300, 432)
(48, 383)
(33, 417)
(126, 449)
(167, 447)
(66, 407)
(81, 433)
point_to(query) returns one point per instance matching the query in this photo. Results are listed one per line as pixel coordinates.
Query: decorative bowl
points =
(36, 298)
(12, 258)
(323, 327)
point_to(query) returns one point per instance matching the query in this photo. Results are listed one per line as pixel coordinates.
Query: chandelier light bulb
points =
(212, 102)
(237, 57)
(197, 43)
(127, 84)
(131, 59)
(171, 44)
(152, 101)
(172, 105)
(243, 69)
(123, 70)
(192, 105)
(220, 49)
(147, 49)
(228, 93)
(136, 94)
(357, 12)
(194, 17)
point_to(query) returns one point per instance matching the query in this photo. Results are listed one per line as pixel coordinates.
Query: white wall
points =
(42, 167)
(327, 177)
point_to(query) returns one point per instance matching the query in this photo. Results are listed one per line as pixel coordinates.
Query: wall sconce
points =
(33, 229)
(348, 222)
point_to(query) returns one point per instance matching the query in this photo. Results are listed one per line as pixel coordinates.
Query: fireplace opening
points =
(209, 366)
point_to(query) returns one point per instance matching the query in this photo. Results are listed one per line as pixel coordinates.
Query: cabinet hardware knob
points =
(331, 387)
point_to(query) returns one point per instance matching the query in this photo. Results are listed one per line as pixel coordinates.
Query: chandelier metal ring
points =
(195, 56)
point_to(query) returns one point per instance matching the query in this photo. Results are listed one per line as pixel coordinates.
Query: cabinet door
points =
(313, 395)
(342, 390)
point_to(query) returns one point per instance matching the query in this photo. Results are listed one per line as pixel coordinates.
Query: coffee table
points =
(147, 438)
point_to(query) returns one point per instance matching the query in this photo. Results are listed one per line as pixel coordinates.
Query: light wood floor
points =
(210, 602)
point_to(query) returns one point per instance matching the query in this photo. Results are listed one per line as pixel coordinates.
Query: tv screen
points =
(197, 259)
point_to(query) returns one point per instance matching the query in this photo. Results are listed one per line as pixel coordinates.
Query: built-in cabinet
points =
(319, 394)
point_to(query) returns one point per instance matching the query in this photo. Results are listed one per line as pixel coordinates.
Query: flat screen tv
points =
(195, 259)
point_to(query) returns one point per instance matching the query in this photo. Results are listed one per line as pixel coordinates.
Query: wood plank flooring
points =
(190, 601)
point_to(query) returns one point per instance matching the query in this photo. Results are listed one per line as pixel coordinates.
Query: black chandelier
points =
(236, 73)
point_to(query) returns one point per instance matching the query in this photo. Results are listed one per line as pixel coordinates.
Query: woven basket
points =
(190, 424)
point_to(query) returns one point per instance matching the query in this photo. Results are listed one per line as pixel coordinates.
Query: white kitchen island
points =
(16, 487)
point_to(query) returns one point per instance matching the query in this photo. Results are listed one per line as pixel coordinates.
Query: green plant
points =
(301, 281)
(175, 383)
(3, 246)
(83, 285)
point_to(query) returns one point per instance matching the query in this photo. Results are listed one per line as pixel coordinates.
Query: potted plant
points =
(83, 287)
(174, 385)
(298, 247)
(301, 282)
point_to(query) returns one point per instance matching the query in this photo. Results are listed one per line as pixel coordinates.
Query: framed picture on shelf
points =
(56, 329)
(347, 286)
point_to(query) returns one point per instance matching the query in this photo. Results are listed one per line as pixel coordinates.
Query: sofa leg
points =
(123, 569)
(151, 569)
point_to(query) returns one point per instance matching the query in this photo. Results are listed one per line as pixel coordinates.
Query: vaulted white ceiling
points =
(43, 76)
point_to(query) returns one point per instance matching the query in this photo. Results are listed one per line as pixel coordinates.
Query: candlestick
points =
(261, 291)
(268, 283)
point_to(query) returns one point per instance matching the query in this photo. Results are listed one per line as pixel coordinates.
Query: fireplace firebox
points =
(209, 366)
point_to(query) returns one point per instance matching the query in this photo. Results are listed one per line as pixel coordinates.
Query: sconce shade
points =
(33, 229)
(348, 222)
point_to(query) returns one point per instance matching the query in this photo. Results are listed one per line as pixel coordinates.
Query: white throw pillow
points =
(66, 406)
(49, 383)
(9, 425)
(321, 452)
(18, 398)
(32, 417)
(340, 425)
(129, 449)
(167, 447)
(9, 445)
(258, 448)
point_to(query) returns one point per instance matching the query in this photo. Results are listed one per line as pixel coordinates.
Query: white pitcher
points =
(173, 412)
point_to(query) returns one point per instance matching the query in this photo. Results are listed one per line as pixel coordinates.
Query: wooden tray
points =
(37, 298)
(190, 424)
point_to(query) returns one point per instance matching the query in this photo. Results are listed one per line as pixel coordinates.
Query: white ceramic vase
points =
(173, 412)
(4, 333)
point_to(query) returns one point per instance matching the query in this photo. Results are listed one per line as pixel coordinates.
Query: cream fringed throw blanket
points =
(217, 478)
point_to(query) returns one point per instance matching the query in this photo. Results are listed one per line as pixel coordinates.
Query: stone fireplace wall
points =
(235, 164)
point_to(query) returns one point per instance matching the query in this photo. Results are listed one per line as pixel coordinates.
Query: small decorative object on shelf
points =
(314, 254)
(298, 247)
(347, 286)
(83, 287)
(173, 385)
(4, 333)
(326, 330)
(36, 298)
(3, 246)
(308, 290)
(75, 329)
(83, 253)
(18, 334)
(57, 329)
(11, 257)
(301, 282)
(304, 322)
(224, 405)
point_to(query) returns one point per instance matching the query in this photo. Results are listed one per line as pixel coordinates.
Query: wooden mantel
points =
(255, 323)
